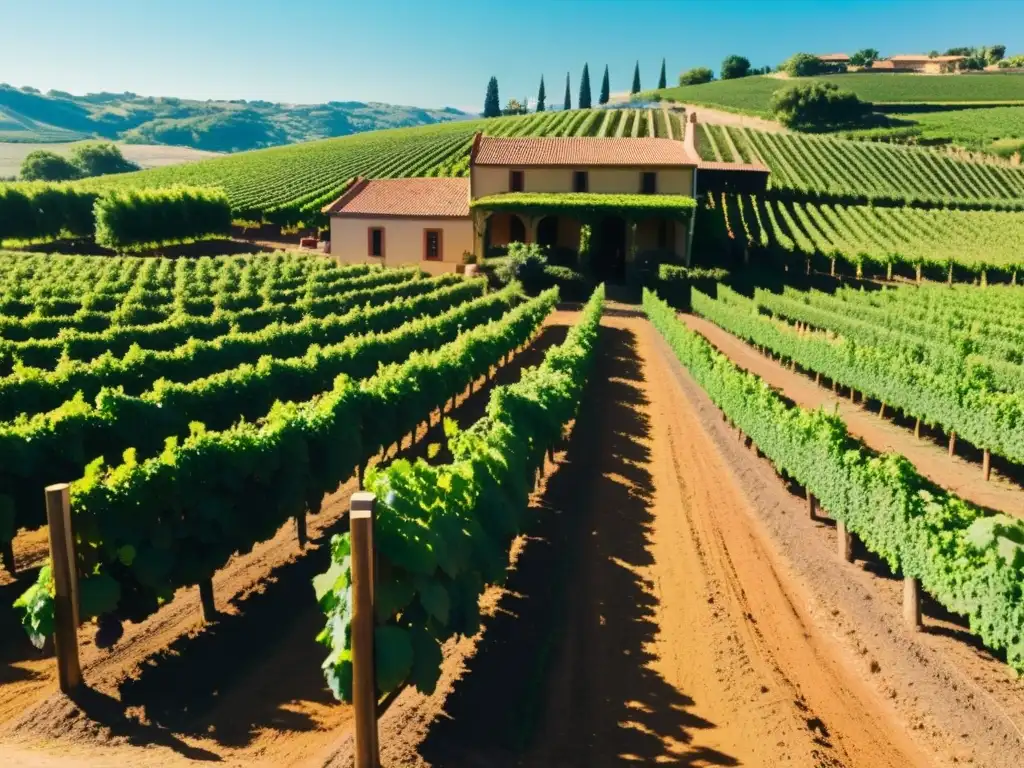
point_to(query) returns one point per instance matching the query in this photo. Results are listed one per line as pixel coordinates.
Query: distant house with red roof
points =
(433, 222)
(934, 65)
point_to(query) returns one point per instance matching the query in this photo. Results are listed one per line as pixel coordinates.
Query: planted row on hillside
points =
(443, 532)
(226, 491)
(971, 563)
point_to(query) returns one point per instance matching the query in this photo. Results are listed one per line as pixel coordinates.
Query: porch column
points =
(479, 232)
(532, 223)
(630, 249)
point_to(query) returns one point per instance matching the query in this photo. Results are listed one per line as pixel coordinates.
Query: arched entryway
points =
(547, 231)
(516, 230)
(503, 228)
(608, 249)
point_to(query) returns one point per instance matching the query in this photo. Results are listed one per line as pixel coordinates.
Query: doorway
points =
(608, 250)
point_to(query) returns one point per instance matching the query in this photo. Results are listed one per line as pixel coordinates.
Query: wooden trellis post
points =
(952, 443)
(364, 685)
(7, 556)
(912, 602)
(986, 464)
(65, 587)
(206, 603)
(812, 505)
(845, 543)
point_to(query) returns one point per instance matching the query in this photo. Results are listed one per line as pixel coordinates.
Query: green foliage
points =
(968, 564)
(584, 100)
(138, 219)
(662, 82)
(674, 282)
(865, 57)
(42, 165)
(541, 95)
(100, 159)
(567, 102)
(492, 103)
(803, 65)
(525, 262)
(605, 88)
(587, 205)
(227, 490)
(696, 76)
(734, 67)
(635, 88)
(817, 106)
(960, 399)
(38, 211)
(443, 532)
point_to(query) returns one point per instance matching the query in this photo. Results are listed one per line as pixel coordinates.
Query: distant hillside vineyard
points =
(26, 115)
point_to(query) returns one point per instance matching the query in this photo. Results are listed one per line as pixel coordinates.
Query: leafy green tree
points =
(696, 76)
(734, 66)
(514, 107)
(996, 53)
(865, 57)
(661, 78)
(492, 104)
(97, 158)
(636, 79)
(541, 95)
(42, 165)
(584, 100)
(605, 88)
(803, 65)
(815, 106)
(962, 51)
(568, 93)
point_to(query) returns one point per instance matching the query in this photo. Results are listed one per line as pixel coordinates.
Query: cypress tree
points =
(636, 79)
(661, 77)
(492, 105)
(584, 102)
(541, 95)
(568, 95)
(605, 88)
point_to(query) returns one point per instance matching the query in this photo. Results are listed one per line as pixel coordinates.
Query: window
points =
(375, 241)
(580, 182)
(432, 244)
(515, 181)
(649, 183)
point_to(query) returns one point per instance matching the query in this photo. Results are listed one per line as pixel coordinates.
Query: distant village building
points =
(834, 58)
(433, 222)
(933, 65)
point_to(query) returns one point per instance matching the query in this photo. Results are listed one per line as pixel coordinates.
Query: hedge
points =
(134, 219)
(40, 211)
(971, 563)
(589, 205)
(674, 282)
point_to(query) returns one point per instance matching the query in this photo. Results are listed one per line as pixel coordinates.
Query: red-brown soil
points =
(245, 690)
(673, 603)
(931, 457)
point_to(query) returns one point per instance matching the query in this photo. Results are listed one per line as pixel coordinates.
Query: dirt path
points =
(246, 690)
(932, 460)
(721, 117)
(644, 620)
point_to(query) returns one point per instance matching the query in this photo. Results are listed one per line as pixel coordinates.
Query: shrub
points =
(42, 165)
(572, 286)
(817, 105)
(734, 66)
(100, 158)
(696, 76)
(137, 219)
(674, 282)
(803, 65)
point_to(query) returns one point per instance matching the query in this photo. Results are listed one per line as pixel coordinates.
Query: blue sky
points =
(441, 52)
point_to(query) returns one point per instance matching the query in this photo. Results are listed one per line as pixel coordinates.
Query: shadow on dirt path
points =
(561, 674)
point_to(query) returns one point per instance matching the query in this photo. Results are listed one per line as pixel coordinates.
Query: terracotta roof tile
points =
(442, 197)
(578, 151)
(923, 57)
(718, 165)
(833, 57)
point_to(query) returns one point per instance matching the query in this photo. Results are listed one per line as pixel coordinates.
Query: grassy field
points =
(752, 94)
(974, 128)
(145, 155)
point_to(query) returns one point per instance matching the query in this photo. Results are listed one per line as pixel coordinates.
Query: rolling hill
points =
(27, 115)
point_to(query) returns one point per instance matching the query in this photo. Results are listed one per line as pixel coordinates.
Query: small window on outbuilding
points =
(375, 241)
(580, 181)
(649, 183)
(515, 181)
(432, 244)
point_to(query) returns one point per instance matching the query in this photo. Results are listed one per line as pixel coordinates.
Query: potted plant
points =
(470, 266)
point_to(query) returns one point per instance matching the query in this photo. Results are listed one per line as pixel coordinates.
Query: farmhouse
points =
(620, 197)
(834, 58)
(933, 65)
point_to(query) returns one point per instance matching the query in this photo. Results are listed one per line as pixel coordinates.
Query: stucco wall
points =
(403, 241)
(494, 180)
